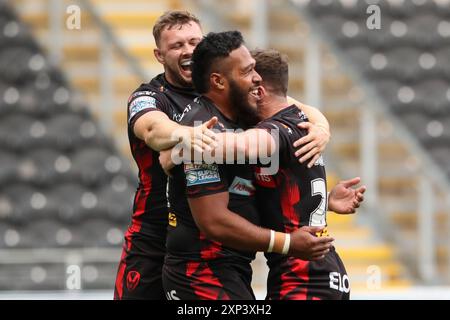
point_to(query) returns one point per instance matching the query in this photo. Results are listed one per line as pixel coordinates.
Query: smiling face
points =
(175, 52)
(243, 83)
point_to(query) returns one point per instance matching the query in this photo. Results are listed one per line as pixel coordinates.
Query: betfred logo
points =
(242, 187)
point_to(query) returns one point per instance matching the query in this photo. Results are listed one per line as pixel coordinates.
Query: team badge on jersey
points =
(197, 174)
(141, 103)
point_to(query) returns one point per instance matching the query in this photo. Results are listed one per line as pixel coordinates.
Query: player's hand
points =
(344, 199)
(313, 144)
(165, 159)
(203, 138)
(307, 246)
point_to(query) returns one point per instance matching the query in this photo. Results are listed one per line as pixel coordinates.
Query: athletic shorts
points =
(296, 279)
(140, 269)
(207, 280)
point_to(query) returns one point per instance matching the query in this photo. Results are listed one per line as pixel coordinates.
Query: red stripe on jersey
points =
(290, 196)
(118, 293)
(145, 161)
(293, 282)
(205, 284)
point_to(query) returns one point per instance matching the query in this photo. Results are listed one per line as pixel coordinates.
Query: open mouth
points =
(186, 65)
(256, 93)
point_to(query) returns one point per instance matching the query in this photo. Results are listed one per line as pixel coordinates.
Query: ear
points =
(158, 55)
(217, 81)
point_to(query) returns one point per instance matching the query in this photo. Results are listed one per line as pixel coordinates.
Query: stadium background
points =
(66, 174)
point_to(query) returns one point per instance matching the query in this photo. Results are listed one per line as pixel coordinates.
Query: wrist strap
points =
(287, 243)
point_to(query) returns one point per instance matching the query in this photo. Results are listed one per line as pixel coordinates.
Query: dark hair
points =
(170, 19)
(273, 67)
(213, 47)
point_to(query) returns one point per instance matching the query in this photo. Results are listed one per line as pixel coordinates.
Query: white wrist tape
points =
(287, 243)
(272, 241)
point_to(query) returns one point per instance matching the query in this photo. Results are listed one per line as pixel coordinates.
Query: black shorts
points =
(207, 280)
(139, 276)
(296, 279)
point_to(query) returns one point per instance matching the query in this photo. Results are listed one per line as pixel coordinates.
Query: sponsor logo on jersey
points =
(197, 174)
(177, 117)
(263, 180)
(133, 278)
(141, 103)
(140, 94)
(339, 282)
(242, 187)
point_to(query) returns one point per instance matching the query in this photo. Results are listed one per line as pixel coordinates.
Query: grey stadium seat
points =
(73, 202)
(8, 167)
(100, 233)
(28, 204)
(116, 199)
(50, 167)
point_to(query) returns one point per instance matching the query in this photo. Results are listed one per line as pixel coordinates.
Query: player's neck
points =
(222, 104)
(270, 105)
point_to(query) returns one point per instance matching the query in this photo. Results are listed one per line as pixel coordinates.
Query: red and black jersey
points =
(195, 180)
(296, 195)
(150, 211)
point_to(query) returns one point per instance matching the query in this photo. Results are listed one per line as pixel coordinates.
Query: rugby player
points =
(153, 112)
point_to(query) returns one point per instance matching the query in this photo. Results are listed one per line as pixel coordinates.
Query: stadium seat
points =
(44, 101)
(50, 167)
(20, 132)
(432, 96)
(15, 64)
(8, 167)
(97, 232)
(28, 204)
(443, 61)
(116, 199)
(49, 233)
(96, 166)
(73, 202)
(12, 236)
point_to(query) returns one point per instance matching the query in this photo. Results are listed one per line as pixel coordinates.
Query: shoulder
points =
(144, 92)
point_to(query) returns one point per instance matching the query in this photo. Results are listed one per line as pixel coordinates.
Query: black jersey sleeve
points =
(282, 135)
(204, 179)
(141, 102)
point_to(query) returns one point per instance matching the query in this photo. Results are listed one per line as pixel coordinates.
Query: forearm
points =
(158, 131)
(236, 232)
(164, 135)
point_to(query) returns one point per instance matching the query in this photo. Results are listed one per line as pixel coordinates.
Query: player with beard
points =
(293, 197)
(153, 112)
(220, 202)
